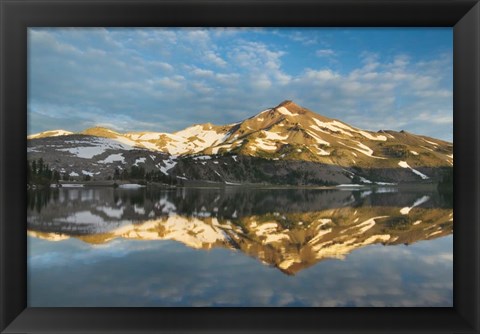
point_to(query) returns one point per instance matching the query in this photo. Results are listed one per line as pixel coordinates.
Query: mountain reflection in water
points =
(290, 229)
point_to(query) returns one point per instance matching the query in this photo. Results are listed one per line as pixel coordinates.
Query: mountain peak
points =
(100, 131)
(289, 104)
(286, 103)
(288, 107)
(97, 127)
(50, 133)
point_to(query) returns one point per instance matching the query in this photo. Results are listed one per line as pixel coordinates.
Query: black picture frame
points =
(18, 15)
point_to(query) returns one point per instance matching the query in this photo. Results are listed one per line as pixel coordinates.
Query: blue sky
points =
(165, 79)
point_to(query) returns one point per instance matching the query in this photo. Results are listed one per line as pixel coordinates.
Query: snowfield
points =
(96, 146)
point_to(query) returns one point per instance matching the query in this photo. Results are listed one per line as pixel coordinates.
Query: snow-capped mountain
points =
(191, 140)
(290, 132)
(50, 133)
(285, 133)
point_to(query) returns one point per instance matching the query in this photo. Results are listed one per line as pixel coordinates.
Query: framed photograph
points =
(239, 166)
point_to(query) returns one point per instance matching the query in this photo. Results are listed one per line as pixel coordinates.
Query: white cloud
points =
(320, 75)
(197, 35)
(261, 82)
(162, 65)
(215, 59)
(303, 39)
(417, 275)
(325, 53)
(121, 71)
(263, 64)
(438, 117)
(203, 73)
(174, 82)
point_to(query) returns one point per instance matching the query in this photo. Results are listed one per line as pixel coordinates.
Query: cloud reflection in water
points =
(214, 260)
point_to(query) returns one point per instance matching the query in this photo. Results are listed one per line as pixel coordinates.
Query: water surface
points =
(239, 247)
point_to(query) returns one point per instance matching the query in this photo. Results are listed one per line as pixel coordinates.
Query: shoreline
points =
(132, 185)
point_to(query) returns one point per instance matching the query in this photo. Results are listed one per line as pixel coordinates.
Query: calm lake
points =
(239, 247)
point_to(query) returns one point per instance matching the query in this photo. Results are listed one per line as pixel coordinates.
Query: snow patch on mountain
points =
(112, 212)
(264, 145)
(125, 140)
(227, 147)
(149, 136)
(85, 172)
(317, 138)
(365, 149)
(271, 238)
(139, 161)
(197, 138)
(209, 137)
(368, 224)
(421, 200)
(404, 164)
(273, 136)
(96, 146)
(150, 146)
(371, 137)
(261, 112)
(202, 157)
(431, 142)
(285, 111)
(112, 158)
(86, 152)
(169, 164)
(330, 126)
(363, 133)
(192, 231)
(266, 228)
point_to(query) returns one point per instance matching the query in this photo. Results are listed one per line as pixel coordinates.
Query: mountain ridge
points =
(276, 131)
(286, 133)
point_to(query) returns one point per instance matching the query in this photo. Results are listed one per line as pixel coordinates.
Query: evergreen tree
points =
(56, 176)
(40, 167)
(39, 173)
(29, 172)
(34, 167)
(137, 172)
